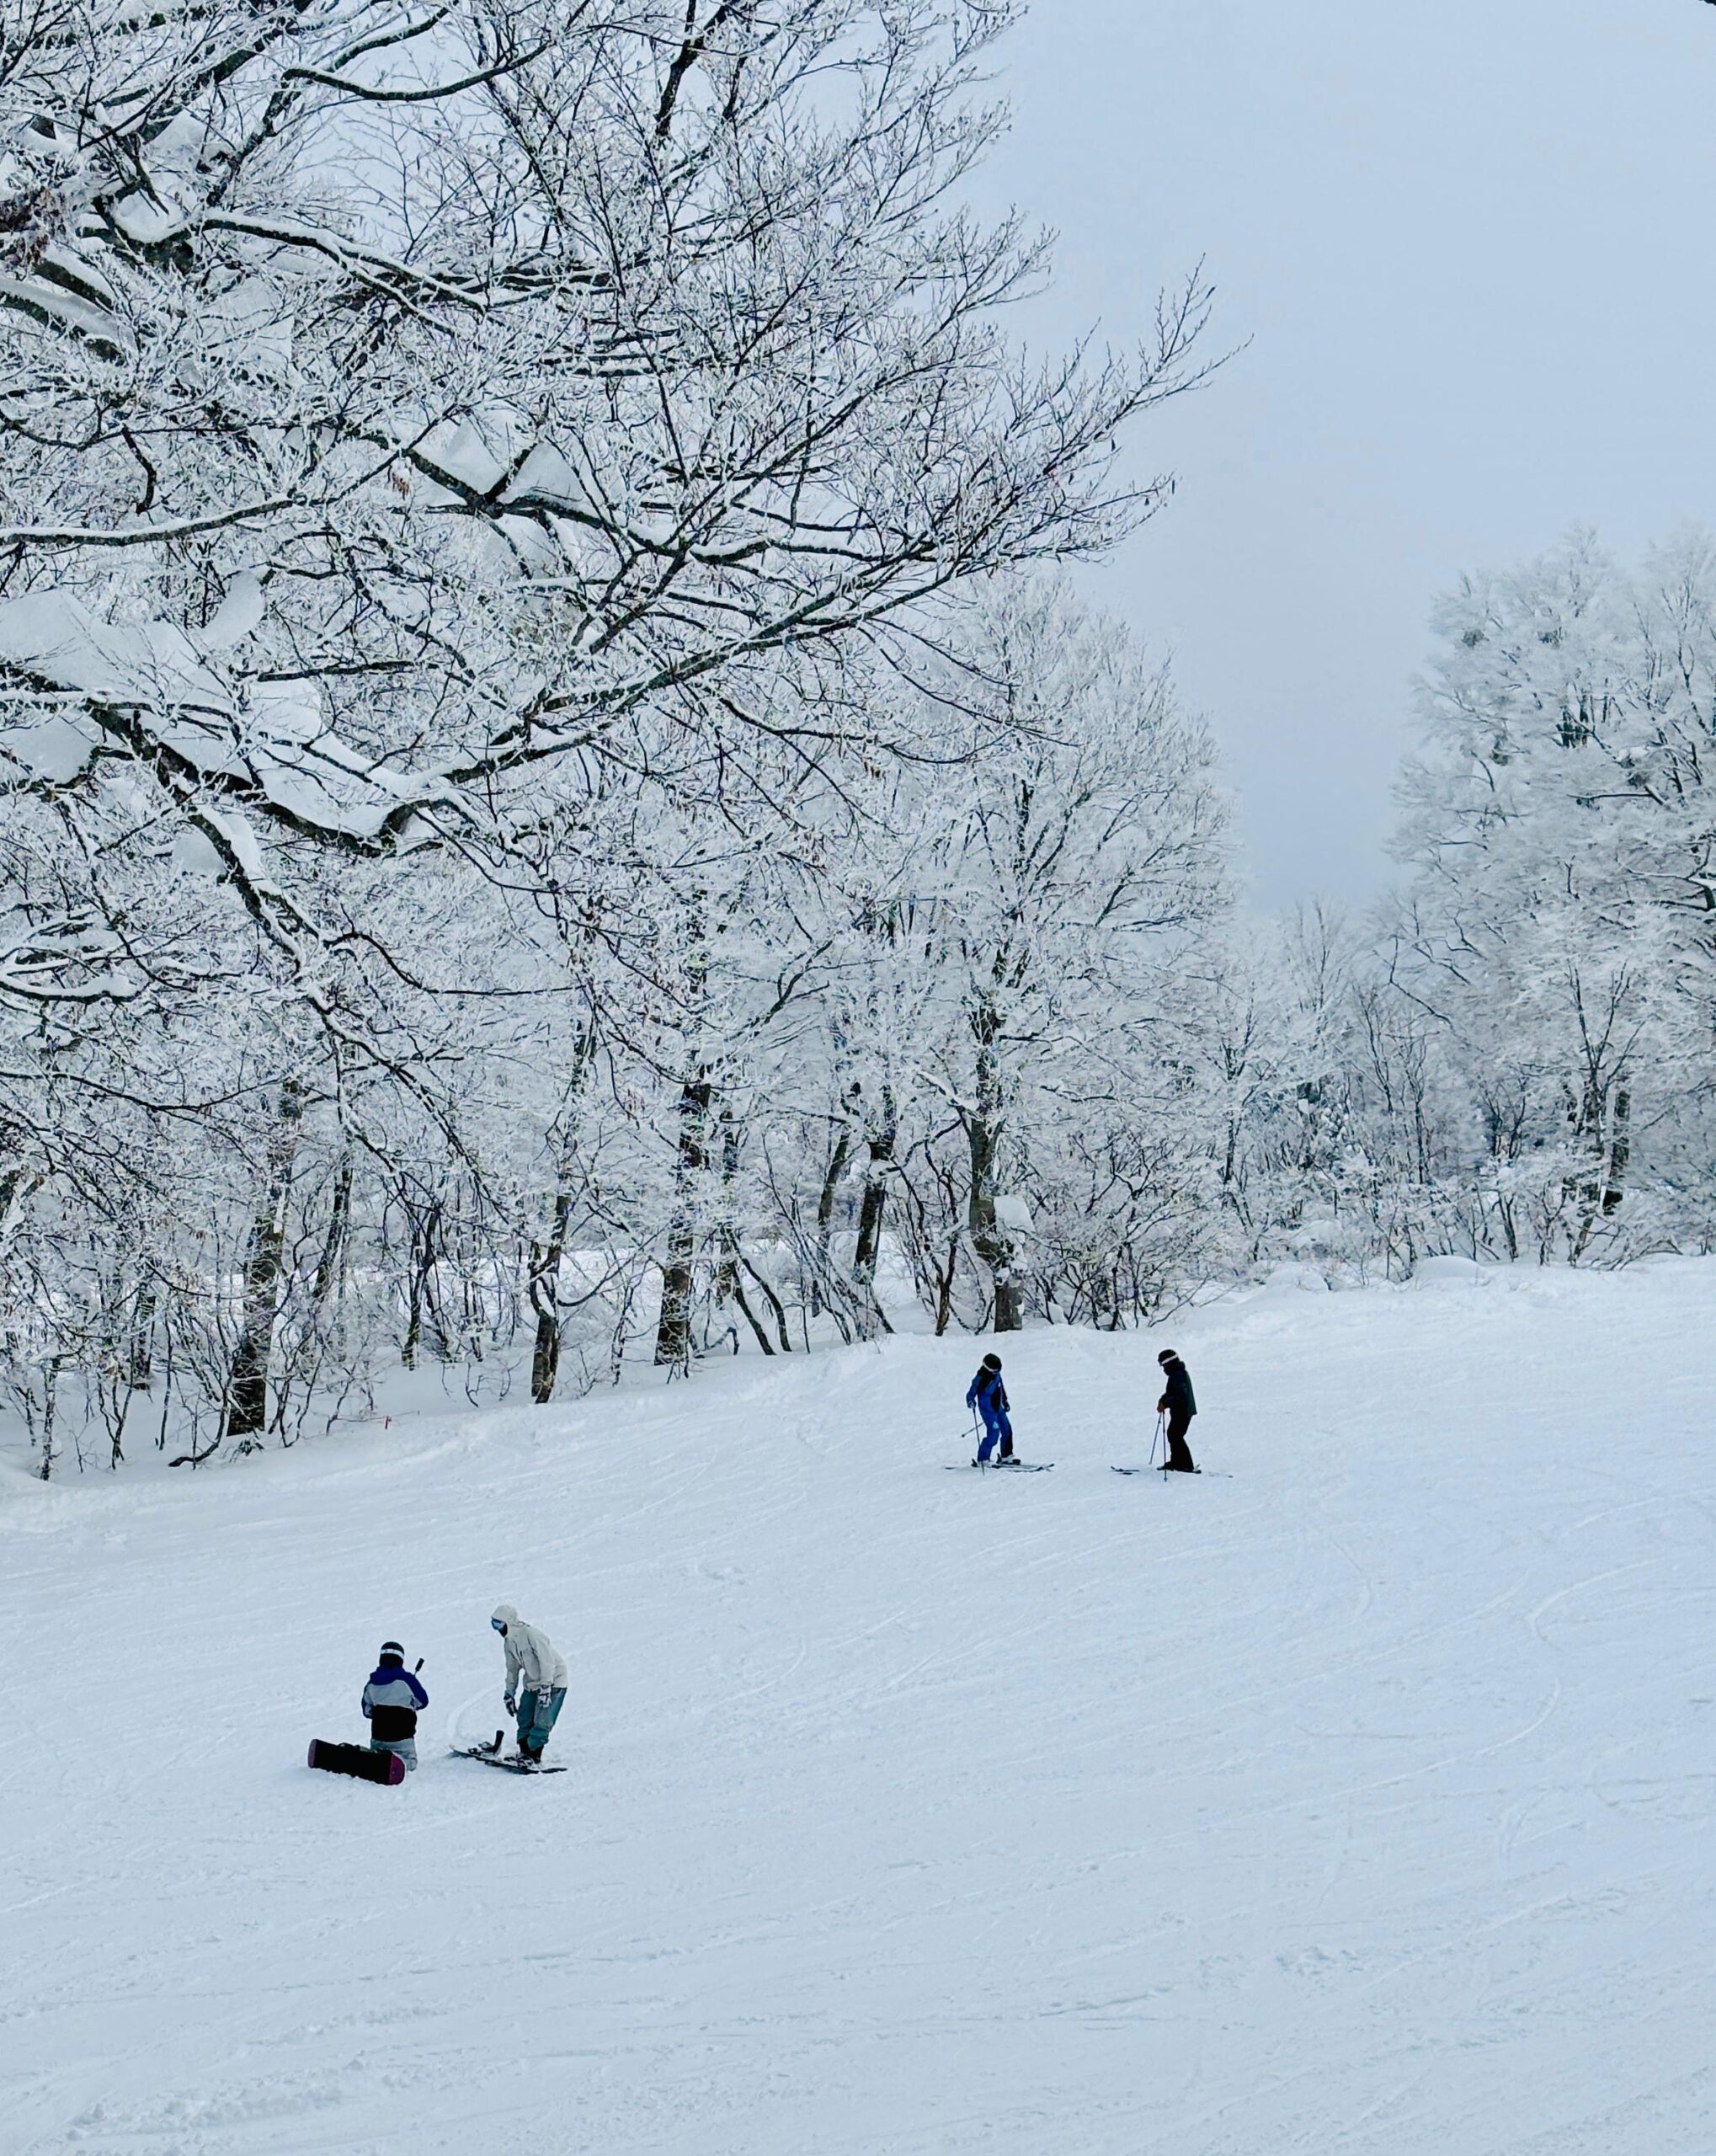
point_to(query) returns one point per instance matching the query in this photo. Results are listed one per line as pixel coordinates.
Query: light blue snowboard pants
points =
(538, 1712)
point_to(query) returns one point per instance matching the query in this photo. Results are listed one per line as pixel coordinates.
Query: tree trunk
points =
(673, 1332)
(329, 1265)
(247, 1386)
(825, 1213)
(1620, 1151)
(1603, 1119)
(51, 1384)
(944, 1286)
(727, 1286)
(139, 1361)
(781, 1332)
(545, 1261)
(544, 1290)
(422, 1266)
(871, 1210)
(994, 1248)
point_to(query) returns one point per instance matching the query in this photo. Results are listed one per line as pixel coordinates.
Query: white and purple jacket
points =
(391, 1698)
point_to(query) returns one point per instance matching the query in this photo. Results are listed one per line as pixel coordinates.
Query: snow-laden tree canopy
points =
(398, 402)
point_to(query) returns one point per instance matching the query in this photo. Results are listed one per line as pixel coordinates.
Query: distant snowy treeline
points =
(1516, 1058)
(553, 810)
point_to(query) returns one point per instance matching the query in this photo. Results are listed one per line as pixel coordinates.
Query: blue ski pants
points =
(995, 1426)
(538, 1712)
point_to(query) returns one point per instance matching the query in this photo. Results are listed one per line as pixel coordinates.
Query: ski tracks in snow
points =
(1358, 1805)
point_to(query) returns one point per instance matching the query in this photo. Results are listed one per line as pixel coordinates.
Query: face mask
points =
(498, 1626)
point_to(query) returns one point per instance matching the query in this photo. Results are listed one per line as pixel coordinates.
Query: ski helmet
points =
(992, 1362)
(1168, 1355)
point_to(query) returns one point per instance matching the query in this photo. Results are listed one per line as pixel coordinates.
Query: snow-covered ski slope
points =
(1361, 1803)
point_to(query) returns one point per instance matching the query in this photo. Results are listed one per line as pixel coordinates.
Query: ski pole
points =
(1157, 1439)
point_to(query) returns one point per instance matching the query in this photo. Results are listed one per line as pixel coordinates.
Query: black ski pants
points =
(1179, 1452)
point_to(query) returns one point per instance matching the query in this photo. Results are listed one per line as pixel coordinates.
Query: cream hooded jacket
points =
(532, 1659)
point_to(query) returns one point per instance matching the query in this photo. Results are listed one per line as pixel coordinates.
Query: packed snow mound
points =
(1295, 1278)
(1358, 1802)
(1452, 1272)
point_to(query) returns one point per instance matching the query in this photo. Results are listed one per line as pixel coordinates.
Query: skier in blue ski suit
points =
(393, 1700)
(988, 1395)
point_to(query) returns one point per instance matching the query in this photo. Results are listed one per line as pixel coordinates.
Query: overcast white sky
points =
(1473, 244)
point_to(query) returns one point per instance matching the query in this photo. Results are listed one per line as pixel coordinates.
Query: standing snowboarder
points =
(1179, 1405)
(535, 1681)
(393, 1700)
(988, 1395)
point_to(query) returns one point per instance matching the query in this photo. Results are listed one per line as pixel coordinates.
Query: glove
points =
(512, 1705)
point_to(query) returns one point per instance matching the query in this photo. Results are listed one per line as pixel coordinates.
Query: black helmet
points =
(992, 1362)
(391, 1646)
(1168, 1355)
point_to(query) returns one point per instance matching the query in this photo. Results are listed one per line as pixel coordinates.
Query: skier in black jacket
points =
(1179, 1405)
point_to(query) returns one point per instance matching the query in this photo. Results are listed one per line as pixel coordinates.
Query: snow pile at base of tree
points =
(1359, 1803)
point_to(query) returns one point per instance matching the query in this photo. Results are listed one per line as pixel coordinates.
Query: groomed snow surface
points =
(1359, 1803)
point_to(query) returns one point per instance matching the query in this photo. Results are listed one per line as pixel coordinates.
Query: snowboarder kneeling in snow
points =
(988, 1395)
(393, 1698)
(535, 1681)
(1179, 1405)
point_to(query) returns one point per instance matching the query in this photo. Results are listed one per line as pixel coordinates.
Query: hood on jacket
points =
(504, 1614)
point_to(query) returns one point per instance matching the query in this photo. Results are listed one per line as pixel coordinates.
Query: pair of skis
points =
(1220, 1472)
(1164, 1467)
(1001, 1466)
(1042, 1467)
